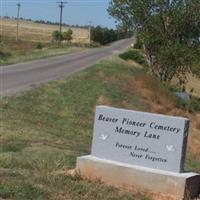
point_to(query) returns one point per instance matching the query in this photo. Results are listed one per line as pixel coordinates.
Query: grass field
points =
(30, 35)
(16, 52)
(36, 32)
(44, 130)
(38, 54)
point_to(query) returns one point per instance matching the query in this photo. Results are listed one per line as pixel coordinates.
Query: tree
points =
(57, 36)
(168, 29)
(67, 35)
(96, 34)
(103, 35)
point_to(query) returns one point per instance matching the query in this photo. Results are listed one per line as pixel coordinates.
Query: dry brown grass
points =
(36, 32)
(193, 83)
(194, 136)
(103, 100)
(153, 96)
(158, 101)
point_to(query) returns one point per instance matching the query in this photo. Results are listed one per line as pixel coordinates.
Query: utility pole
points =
(61, 5)
(90, 25)
(18, 9)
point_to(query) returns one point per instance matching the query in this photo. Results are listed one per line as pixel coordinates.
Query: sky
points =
(75, 11)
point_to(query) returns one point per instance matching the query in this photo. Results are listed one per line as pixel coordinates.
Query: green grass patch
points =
(12, 145)
(193, 164)
(20, 190)
(45, 129)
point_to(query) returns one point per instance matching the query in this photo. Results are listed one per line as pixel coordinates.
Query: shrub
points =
(192, 105)
(134, 55)
(67, 35)
(39, 45)
(4, 55)
(182, 104)
(57, 36)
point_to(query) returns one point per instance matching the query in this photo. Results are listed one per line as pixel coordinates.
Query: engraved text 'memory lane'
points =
(127, 132)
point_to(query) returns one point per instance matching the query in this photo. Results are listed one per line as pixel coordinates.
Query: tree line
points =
(100, 35)
(103, 35)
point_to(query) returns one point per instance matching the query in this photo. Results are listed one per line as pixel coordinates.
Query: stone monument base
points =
(174, 185)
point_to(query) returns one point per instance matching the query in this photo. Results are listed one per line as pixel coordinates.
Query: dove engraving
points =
(170, 148)
(103, 137)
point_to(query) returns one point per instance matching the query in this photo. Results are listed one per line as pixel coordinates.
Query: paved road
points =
(19, 77)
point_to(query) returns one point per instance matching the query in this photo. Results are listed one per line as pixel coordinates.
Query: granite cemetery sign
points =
(138, 138)
(141, 150)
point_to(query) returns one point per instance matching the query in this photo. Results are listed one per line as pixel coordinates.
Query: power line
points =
(18, 10)
(61, 5)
